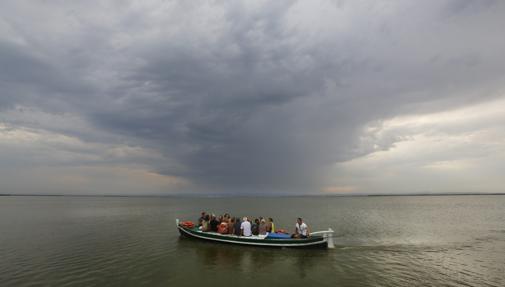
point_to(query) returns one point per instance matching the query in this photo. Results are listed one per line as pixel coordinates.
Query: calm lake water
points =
(381, 241)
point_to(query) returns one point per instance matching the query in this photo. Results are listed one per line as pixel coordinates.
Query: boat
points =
(323, 239)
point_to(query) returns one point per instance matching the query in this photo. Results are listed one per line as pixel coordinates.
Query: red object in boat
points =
(187, 224)
(223, 228)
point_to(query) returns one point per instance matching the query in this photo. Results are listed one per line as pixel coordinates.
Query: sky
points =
(252, 97)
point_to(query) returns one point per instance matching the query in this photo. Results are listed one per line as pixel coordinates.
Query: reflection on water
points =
(387, 241)
(253, 259)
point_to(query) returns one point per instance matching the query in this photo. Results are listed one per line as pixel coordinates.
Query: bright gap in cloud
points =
(461, 150)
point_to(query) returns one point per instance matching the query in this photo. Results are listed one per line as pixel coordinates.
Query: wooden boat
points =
(317, 239)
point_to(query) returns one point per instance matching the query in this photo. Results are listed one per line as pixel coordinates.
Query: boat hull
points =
(312, 242)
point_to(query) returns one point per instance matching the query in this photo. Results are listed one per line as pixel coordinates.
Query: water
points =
(381, 241)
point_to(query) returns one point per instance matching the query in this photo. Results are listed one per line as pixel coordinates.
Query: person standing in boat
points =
(245, 227)
(301, 229)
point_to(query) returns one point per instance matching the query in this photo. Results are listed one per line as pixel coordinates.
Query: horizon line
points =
(221, 195)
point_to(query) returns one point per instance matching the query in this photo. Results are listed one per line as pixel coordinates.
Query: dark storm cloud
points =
(23, 76)
(210, 103)
(261, 97)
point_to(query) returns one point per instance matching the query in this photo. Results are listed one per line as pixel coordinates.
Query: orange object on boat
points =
(280, 230)
(223, 228)
(187, 224)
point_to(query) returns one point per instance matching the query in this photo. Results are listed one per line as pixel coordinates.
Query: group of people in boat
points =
(227, 224)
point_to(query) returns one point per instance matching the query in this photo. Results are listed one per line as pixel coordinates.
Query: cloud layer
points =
(240, 96)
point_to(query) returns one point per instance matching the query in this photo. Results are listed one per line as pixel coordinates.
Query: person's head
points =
(263, 220)
(203, 213)
(232, 220)
(257, 221)
(299, 220)
(244, 219)
(207, 217)
(270, 219)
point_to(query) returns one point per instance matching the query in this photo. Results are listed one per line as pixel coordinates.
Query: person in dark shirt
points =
(236, 226)
(254, 227)
(214, 223)
(202, 218)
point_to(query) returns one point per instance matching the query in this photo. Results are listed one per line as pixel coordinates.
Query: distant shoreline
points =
(248, 195)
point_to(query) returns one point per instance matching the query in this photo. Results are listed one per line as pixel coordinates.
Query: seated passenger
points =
(270, 225)
(231, 224)
(223, 228)
(245, 227)
(202, 218)
(255, 227)
(236, 226)
(213, 223)
(262, 230)
(301, 229)
(206, 223)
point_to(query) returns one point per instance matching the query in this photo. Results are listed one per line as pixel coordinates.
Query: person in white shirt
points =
(245, 227)
(301, 229)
